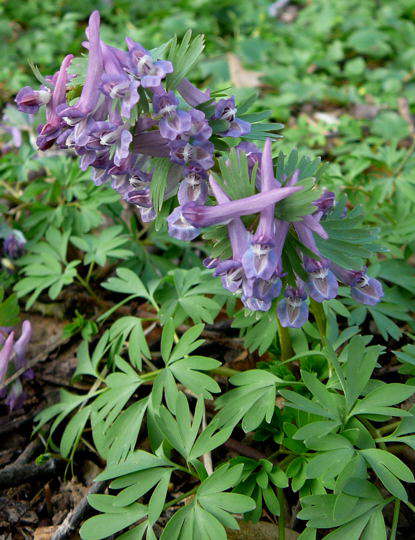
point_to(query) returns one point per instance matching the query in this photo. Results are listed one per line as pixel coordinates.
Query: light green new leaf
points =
(183, 57)
(104, 525)
(73, 431)
(253, 400)
(126, 282)
(389, 468)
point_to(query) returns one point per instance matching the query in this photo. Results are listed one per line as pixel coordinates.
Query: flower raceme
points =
(127, 115)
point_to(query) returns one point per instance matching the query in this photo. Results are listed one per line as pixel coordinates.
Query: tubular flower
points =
(364, 289)
(90, 91)
(226, 110)
(293, 309)
(204, 216)
(261, 259)
(30, 101)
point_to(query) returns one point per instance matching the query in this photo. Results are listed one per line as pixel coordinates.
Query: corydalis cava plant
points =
(141, 125)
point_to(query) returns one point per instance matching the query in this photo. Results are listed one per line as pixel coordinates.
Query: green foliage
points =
(9, 309)
(330, 429)
(183, 56)
(182, 294)
(350, 243)
(99, 248)
(46, 267)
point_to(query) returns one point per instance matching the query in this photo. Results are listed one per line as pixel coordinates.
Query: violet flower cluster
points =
(103, 129)
(13, 358)
(126, 116)
(255, 270)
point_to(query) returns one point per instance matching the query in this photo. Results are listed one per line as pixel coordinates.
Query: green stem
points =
(109, 312)
(224, 371)
(410, 505)
(151, 375)
(86, 285)
(405, 158)
(281, 520)
(373, 431)
(305, 355)
(89, 274)
(180, 498)
(285, 342)
(389, 427)
(320, 317)
(395, 519)
(334, 364)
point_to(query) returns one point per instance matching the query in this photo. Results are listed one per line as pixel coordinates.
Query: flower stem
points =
(395, 519)
(285, 342)
(320, 317)
(333, 362)
(281, 519)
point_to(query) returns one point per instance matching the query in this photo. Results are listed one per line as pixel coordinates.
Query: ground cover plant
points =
(236, 350)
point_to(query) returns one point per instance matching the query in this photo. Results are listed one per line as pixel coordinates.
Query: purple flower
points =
(5, 355)
(91, 89)
(116, 84)
(147, 214)
(14, 244)
(149, 72)
(173, 122)
(180, 228)
(122, 185)
(262, 289)
(225, 109)
(13, 357)
(14, 131)
(100, 176)
(21, 345)
(198, 154)
(49, 132)
(122, 146)
(231, 270)
(256, 304)
(192, 95)
(322, 283)
(204, 216)
(193, 187)
(262, 257)
(140, 197)
(364, 289)
(15, 396)
(313, 224)
(324, 204)
(210, 262)
(293, 309)
(252, 152)
(305, 235)
(29, 100)
(232, 275)
(151, 143)
(199, 130)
